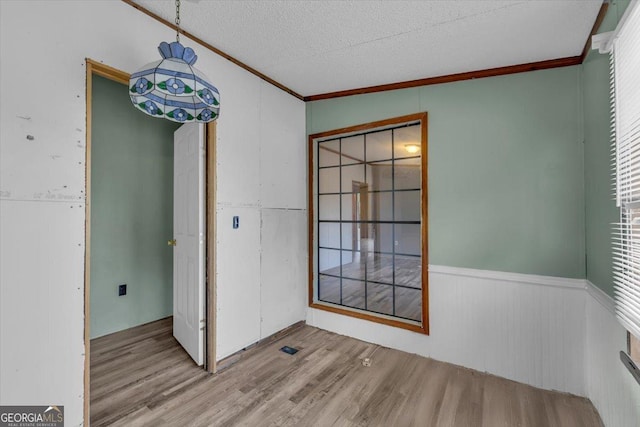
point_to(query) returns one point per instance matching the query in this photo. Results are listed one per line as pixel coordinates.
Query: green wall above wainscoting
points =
(506, 175)
(131, 212)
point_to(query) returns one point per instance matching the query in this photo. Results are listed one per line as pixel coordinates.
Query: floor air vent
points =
(289, 350)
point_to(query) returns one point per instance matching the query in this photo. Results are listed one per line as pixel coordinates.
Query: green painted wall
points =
(132, 212)
(601, 210)
(506, 173)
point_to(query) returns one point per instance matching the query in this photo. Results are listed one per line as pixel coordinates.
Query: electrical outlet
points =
(122, 290)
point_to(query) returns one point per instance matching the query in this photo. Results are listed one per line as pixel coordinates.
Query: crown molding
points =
(449, 78)
(596, 25)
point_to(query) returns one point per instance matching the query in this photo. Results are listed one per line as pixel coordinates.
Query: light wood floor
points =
(142, 377)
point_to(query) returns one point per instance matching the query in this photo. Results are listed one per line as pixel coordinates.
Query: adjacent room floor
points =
(385, 284)
(142, 376)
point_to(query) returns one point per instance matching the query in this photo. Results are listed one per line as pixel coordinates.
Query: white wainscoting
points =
(523, 327)
(610, 386)
(554, 333)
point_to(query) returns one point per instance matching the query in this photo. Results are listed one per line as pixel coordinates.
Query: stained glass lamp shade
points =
(173, 89)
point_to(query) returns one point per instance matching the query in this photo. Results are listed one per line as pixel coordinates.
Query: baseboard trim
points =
(503, 276)
(234, 358)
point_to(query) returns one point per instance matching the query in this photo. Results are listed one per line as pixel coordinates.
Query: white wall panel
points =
(238, 143)
(283, 170)
(283, 154)
(284, 271)
(238, 280)
(55, 166)
(525, 328)
(51, 167)
(610, 385)
(41, 347)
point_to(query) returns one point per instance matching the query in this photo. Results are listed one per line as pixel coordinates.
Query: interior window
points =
(369, 228)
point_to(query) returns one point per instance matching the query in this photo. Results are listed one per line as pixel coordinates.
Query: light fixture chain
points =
(178, 21)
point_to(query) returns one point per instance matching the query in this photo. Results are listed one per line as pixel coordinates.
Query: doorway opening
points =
(359, 212)
(195, 145)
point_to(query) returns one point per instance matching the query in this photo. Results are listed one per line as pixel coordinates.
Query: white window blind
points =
(625, 103)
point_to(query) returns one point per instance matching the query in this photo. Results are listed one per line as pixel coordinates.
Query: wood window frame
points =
(423, 326)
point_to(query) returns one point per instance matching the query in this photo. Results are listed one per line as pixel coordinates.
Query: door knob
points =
(171, 242)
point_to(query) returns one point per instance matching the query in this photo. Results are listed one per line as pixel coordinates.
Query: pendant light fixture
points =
(172, 88)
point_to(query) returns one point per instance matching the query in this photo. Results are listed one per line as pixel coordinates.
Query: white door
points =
(189, 236)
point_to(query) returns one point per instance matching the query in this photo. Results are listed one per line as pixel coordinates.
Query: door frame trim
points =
(99, 69)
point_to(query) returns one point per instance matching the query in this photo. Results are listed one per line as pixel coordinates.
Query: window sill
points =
(385, 320)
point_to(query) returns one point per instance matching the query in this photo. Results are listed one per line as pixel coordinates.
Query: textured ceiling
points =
(316, 47)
